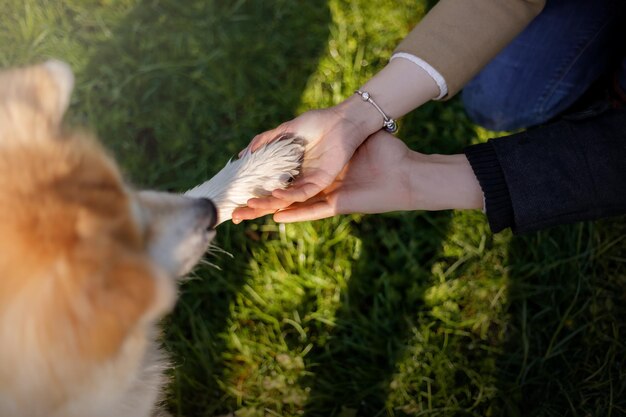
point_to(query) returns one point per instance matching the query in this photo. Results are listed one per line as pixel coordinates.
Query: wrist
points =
(361, 114)
(401, 87)
(397, 89)
(441, 182)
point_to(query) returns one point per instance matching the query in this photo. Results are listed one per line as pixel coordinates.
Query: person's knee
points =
(498, 110)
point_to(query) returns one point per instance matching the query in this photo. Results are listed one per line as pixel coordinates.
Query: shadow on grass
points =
(353, 370)
(178, 89)
(557, 348)
(566, 350)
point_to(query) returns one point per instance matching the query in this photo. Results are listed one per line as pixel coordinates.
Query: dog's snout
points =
(209, 208)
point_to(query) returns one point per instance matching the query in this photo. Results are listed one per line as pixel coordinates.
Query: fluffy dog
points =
(88, 266)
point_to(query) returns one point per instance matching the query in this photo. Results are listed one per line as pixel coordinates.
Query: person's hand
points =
(332, 135)
(384, 175)
(331, 140)
(374, 181)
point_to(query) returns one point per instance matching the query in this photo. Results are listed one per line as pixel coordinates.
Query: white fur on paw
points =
(256, 174)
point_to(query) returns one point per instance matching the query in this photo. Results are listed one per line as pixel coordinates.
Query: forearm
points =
(451, 43)
(441, 182)
(458, 38)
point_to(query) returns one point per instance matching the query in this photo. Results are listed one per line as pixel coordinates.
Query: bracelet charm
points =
(389, 124)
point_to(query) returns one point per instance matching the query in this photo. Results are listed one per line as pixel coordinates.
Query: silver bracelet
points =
(389, 124)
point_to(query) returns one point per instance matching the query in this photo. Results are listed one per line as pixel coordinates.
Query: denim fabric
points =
(548, 66)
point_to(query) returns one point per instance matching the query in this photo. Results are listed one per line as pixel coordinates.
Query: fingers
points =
(264, 138)
(300, 213)
(315, 211)
(258, 207)
(297, 192)
(318, 207)
(256, 141)
(248, 213)
(268, 203)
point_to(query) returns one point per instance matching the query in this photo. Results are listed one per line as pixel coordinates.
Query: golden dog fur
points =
(87, 265)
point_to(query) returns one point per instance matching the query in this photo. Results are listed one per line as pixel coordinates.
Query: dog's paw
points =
(272, 166)
(256, 174)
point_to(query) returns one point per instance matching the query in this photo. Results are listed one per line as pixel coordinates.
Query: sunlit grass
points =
(420, 314)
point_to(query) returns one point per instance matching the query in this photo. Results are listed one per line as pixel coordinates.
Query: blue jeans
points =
(546, 68)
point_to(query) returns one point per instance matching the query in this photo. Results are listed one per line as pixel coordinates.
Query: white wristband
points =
(434, 74)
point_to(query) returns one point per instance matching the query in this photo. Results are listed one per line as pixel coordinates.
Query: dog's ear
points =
(33, 100)
(57, 99)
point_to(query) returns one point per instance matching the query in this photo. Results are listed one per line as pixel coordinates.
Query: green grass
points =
(412, 314)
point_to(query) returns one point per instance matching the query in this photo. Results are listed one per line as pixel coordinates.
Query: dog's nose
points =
(209, 208)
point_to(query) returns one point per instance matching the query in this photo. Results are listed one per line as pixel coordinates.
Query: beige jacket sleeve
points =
(459, 37)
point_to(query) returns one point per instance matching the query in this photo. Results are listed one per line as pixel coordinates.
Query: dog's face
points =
(87, 265)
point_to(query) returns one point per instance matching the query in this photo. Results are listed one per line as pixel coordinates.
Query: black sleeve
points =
(568, 171)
